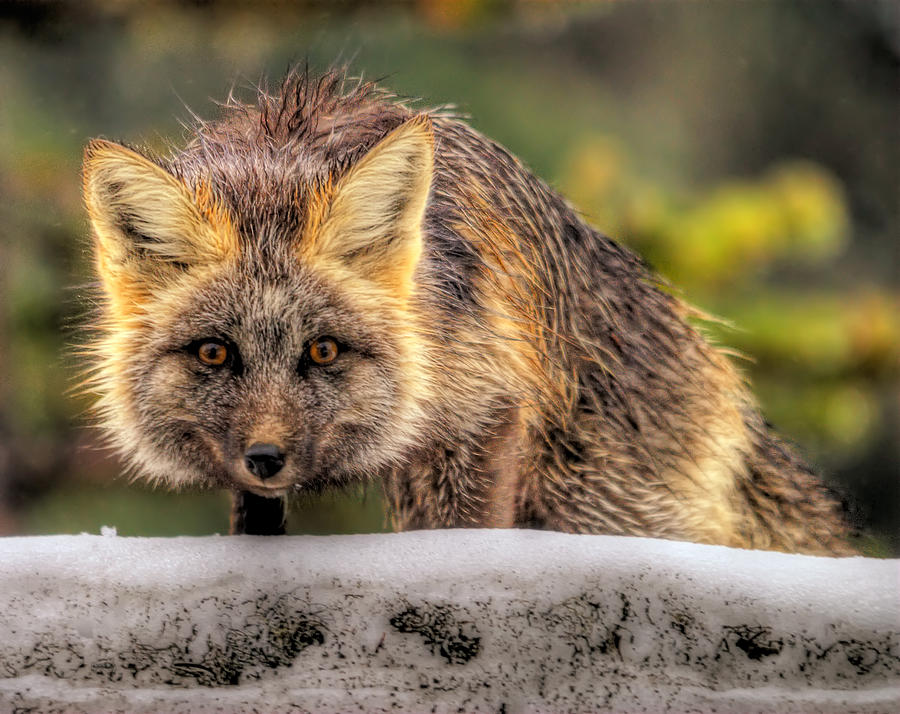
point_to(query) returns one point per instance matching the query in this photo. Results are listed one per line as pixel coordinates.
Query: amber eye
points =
(212, 353)
(323, 350)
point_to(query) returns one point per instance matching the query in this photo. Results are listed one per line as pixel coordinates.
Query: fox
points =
(329, 286)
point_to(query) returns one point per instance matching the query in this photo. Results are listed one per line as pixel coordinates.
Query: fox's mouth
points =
(256, 486)
(266, 491)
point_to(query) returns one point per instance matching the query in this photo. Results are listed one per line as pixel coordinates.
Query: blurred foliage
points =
(748, 150)
(731, 233)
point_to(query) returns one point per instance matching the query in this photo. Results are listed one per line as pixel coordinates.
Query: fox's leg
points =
(472, 483)
(256, 515)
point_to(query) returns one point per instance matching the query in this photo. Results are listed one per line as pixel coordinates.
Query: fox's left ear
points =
(372, 225)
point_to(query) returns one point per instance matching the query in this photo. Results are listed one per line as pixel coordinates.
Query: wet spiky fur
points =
(504, 364)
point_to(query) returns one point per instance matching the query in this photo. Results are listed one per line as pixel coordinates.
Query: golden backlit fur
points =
(501, 363)
(384, 194)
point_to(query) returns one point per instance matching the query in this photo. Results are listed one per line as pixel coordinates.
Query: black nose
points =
(263, 460)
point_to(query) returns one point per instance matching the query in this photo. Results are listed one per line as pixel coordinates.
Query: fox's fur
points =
(503, 363)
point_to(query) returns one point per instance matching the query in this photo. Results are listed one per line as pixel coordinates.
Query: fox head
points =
(269, 355)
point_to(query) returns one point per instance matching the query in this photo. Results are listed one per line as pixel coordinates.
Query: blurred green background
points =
(749, 150)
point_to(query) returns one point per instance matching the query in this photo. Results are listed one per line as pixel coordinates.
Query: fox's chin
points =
(267, 489)
(267, 492)
(307, 484)
(290, 480)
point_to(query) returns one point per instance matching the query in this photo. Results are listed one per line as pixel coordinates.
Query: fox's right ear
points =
(147, 223)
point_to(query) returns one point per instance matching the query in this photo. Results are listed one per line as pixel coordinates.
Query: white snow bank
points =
(445, 621)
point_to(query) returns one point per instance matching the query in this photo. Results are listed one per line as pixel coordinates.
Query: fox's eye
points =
(323, 350)
(212, 353)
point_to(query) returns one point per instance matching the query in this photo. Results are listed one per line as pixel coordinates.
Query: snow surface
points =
(444, 621)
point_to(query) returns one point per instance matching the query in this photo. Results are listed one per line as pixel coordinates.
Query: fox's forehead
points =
(267, 204)
(244, 298)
